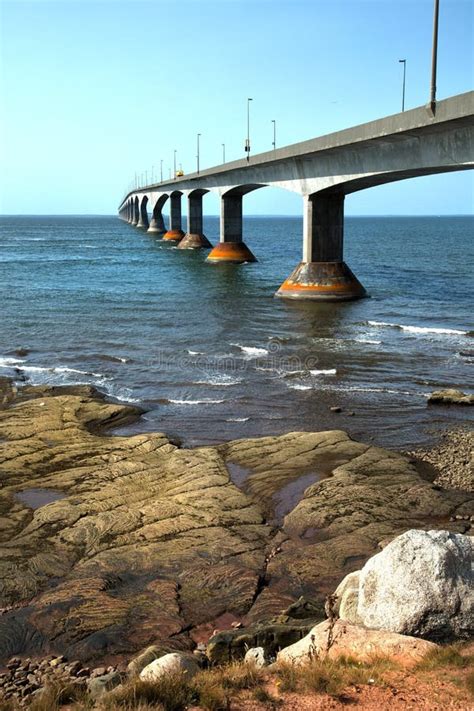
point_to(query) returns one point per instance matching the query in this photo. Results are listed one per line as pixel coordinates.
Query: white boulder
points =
(256, 657)
(173, 663)
(421, 584)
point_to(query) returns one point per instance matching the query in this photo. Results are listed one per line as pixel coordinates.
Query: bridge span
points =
(323, 171)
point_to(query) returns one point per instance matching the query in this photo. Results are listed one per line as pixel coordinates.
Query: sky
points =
(92, 92)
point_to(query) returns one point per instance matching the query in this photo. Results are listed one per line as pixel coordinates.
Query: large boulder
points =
(174, 663)
(232, 645)
(340, 638)
(421, 584)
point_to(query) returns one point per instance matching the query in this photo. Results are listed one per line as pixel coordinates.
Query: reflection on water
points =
(36, 498)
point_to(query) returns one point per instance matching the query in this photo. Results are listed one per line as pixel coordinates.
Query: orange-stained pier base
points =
(194, 237)
(322, 281)
(231, 248)
(233, 252)
(175, 233)
(323, 275)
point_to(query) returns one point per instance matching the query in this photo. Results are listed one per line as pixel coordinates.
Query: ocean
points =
(208, 351)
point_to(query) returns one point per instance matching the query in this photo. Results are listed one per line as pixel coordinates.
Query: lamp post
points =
(174, 176)
(146, 177)
(404, 62)
(197, 155)
(152, 173)
(247, 142)
(434, 56)
(274, 134)
(161, 169)
(223, 152)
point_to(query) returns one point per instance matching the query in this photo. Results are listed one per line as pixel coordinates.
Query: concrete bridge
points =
(323, 170)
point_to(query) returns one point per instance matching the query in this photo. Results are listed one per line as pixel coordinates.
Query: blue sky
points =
(94, 91)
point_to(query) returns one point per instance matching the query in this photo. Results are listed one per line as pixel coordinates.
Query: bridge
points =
(323, 171)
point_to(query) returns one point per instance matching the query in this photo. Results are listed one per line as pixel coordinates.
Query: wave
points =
(219, 380)
(195, 352)
(194, 402)
(419, 329)
(111, 358)
(251, 350)
(59, 369)
(298, 386)
(9, 362)
(237, 419)
(327, 371)
(368, 340)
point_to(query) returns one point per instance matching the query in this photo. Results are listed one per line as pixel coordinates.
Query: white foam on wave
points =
(299, 386)
(8, 362)
(327, 371)
(60, 369)
(219, 380)
(371, 341)
(251, 350)
(195, 402)
(419, 329)
(237, 419)
(195, 352)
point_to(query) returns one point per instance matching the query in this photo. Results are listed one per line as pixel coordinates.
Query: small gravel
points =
(453, 459)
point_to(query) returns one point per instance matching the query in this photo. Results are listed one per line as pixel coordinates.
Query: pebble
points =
(453, 458)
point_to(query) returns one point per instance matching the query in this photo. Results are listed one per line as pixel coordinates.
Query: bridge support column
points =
(322, 275)
(135, 213)
(143, 216)
(194, 237)
(231, 248)
(175, 233)
(157, 223)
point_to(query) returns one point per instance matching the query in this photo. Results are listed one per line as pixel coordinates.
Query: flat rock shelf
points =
(151, 542)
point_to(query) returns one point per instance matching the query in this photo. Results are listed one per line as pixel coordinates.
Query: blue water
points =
(208, 350)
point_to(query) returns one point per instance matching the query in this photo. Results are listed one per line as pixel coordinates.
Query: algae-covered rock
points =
(450, 396)
(233, 644)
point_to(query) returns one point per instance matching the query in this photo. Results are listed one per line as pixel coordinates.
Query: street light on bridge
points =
(434, 56)
(404, 62)
(161, 169)
(197, 156)
(247, 142)
(174, 176)
(274, 134)
(223, 152)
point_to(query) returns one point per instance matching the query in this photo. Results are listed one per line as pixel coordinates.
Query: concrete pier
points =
(194, 237)
(157, 223)
(143, 215)
(175, 233)
(322, 275)
(231, 247)
(135, 212)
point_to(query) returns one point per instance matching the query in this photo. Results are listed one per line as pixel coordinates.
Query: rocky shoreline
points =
(145, 543)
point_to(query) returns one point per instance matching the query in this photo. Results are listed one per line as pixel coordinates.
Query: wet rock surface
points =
(450, 397)
(151, 541)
